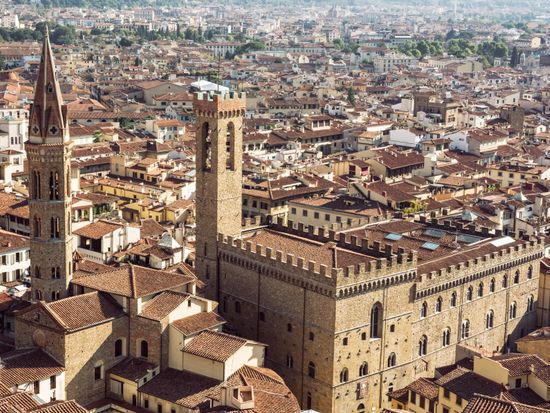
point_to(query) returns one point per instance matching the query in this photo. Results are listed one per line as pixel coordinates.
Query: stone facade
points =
(343, 336)
(318, 320)
(219, 176)
(80, 351)
(49, 158)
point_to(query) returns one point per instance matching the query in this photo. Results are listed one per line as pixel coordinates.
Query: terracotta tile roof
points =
(486, 404)
(424, 387)
(10, 241)
(4, 390)
(163, 304)
(543, 373)
(322, 253)
(271, 395)
(214, 346)
(198, 322)
(132, 281)
(17, 402)
(132, 368)
(526, 396)
(181, 387)
(26, 366)
(519, 364)
(96, 230)
(466, 383)
(151, 228)
(59, 406)
(74, 313)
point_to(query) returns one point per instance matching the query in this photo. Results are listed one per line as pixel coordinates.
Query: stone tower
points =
(219, 140)
(49, 158)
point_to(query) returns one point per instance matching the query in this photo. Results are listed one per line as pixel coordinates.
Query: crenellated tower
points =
(219, 140)
(49, 159)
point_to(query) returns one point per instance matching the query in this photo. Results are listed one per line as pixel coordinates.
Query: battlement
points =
(450, 225)
(219, 105)
(384, 262)
(481, 266)
(350, 242)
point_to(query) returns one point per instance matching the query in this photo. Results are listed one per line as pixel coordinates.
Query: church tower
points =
(219, 152)
(49, 158)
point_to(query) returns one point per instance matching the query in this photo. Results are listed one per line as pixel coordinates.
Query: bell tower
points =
(219, 140)
(49, 158)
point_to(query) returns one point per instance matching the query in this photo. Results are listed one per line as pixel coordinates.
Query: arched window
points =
(309, 401)
(530, 303)
(37, 230)
(289, 327)
(505, 281)
(55, 295)
(206, 159)
(361, 408)
(56, 273)
(492, 285)
(530, 272)
(513, 310)
(37, 271)
(453, 299)
(391, 360)
(36, 190)
(118, 348)
(489, 319)
(480, 290)
(439, 305)
(289, 361)
(516, 277)
(344, 375)
(470, 293)
(376, 321)
(238, 307)
(54, 185)
(38, 295)
(230, 147)
(144, 349)
(424, 310)
(311, 369)
(446, 337)
(423, 346)
(68, 183)
(54, 227)
(465, 331)
(363, 369)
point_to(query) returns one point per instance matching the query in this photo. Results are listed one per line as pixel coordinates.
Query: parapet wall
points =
(475, 268)
(219, 105)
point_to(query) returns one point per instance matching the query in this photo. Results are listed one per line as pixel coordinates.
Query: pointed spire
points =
(48, 117)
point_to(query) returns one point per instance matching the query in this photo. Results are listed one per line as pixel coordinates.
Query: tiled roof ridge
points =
(133, 281)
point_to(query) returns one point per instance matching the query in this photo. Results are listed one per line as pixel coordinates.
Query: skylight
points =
(432, 246)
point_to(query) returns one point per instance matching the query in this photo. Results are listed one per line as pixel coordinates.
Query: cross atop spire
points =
(48, 118)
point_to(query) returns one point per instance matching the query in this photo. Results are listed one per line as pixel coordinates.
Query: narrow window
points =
(144, 349)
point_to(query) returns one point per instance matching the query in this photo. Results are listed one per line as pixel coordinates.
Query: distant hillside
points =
(100, 4)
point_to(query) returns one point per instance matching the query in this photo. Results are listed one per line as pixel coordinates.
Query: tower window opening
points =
(230, 147)
(206, 147)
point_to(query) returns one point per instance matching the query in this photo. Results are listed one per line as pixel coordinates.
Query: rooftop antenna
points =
(219, 70)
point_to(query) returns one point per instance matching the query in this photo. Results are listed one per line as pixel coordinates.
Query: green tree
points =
(125, 42)
(514, 59)
(351, 96)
